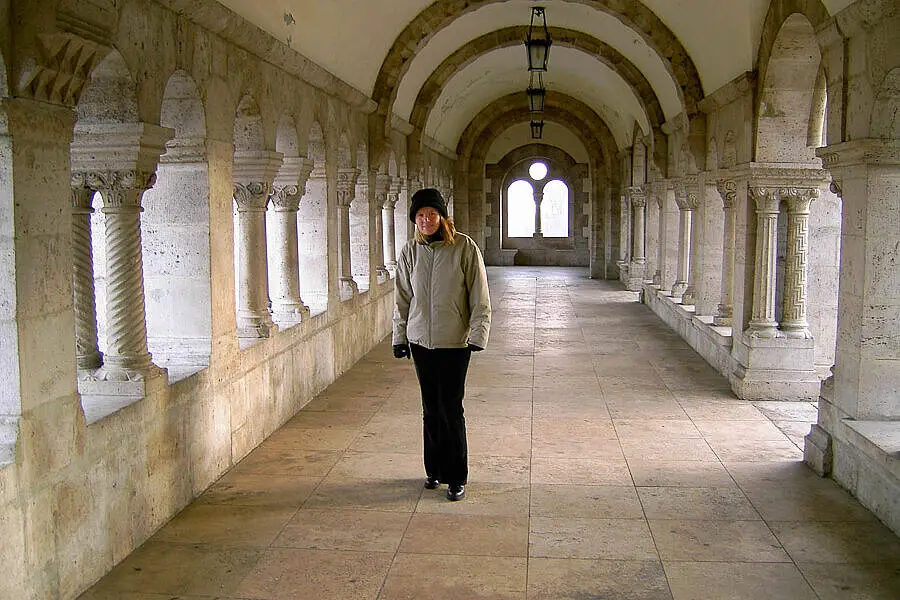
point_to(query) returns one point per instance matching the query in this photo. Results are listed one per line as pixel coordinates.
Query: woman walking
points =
(442, 315)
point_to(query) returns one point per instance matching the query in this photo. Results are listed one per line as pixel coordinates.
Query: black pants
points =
(442, 379)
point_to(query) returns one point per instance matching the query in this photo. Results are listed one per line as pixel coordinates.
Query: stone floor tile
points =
(358, 530)
(737, 581)
(655, 428)
(788, 411)
(643, 407)
(856, 582)
(622, 539)
(331, 419)
(289, 574)
(249, 489)
(667, 449)
(822, 500)
(583, 446)
(846, 543)
(347, 402)
(499, 469)
(340, 492)
(741, 450)
(701, 409)
(421, 576)
(795, 431)
(465, 534)
(702, 503)
(576, 579)
(480, 401)
(178, 569)
(727, 541)
(379, 465)
(679, 473)
(225, 525)
(314, 439)
(584, 501)
(580, 471)
(279, 460)
(482, 498)
(739, 430)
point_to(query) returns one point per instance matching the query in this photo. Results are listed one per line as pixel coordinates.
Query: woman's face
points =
(428, 220)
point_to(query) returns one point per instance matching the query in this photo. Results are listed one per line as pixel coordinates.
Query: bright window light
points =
(555, 209)
(520, 209)
(537, 170)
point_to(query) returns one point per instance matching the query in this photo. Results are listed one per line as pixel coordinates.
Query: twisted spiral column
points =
(127, 357)
(88, 355)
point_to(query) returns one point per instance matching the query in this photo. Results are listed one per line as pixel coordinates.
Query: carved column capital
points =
(393, 193)
(766, 199)
(251, 197)
(798, 199)
(636, 196)
(285, 198)
(120, 190)
(346, 185)
(382, 186)
(728, 190)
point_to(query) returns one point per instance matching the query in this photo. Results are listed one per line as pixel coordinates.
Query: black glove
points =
(401, 350)
(475, 348)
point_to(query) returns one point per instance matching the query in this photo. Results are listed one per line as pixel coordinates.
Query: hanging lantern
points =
(536, 93)
(537, 129)
(538, 41)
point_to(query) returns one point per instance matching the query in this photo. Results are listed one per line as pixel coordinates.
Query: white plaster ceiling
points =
(351, 38)
(519, 135)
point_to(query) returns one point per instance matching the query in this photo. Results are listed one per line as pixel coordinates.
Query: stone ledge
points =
(879, 440)
(9, 433)
(100, 399)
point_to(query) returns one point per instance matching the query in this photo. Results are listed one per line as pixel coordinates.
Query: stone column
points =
(87, 352)
(253, 317)
(624, 233)
(290, 186)
(538, 198)
(382, 185)
(127, 357)
(793, 316)
(762, 320)
(692, 188)
(638, 201)
(685, 214)
(728, 190)
(346, 190)
(387, 216)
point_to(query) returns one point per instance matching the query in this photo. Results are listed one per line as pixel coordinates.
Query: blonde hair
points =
(448, 232)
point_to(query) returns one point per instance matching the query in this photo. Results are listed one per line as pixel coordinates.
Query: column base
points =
(818, 452)
(688, 296)
(288, 314)
(774, 369)
(635, 278)
(348, 288)
(255, 327)
(382, 274)
(102, 397)
(678, 289)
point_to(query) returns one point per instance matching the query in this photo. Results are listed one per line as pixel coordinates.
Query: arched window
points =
(520, 209)
(555, 209)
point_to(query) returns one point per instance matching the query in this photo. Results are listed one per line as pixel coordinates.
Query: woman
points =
(442, 315)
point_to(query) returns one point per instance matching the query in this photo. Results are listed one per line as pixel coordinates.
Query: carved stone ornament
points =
(61, 69)
(251, 196)
(119, 188)
(766, 198)
(728, 190)
(285, 198)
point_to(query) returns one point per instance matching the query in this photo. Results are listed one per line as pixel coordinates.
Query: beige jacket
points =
(441, 295)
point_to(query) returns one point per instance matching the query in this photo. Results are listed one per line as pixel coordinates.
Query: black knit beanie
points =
(427, 197)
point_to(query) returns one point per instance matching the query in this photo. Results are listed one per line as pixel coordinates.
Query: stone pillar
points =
(87, 352)
(127, 357)
(624, 236)
(346, 190)
(290, 185)
(638, 201)
(762, 320)
(253, 317)
(692, 188)
(538, 199)
(382, 185)
(728, 190)
(387, 216)
(793, 317)
(685, 213)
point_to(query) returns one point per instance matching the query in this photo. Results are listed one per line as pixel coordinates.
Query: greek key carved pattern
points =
(795, 269)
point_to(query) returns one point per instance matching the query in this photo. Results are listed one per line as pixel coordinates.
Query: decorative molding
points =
(61, 69)
(251, 197)
(728, 191)
(285, 198)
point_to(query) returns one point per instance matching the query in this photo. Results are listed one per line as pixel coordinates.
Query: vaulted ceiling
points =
(439, 64)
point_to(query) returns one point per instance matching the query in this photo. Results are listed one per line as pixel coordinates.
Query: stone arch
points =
(440, 14)
(249, 134)
(110, 96)
(786, 86)
(312, 223)
(175, 228)
(885, 120)
(512, 36)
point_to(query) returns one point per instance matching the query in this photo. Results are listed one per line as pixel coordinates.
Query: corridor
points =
(607, 461)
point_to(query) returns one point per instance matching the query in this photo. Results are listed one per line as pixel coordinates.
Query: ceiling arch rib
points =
(499, 73)
(512, 37)
(441, 14)
(507, 111)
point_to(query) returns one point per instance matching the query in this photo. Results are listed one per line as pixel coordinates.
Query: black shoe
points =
(456, 492)
(431, 483)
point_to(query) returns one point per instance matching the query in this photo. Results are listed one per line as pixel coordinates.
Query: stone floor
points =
(607, 461)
